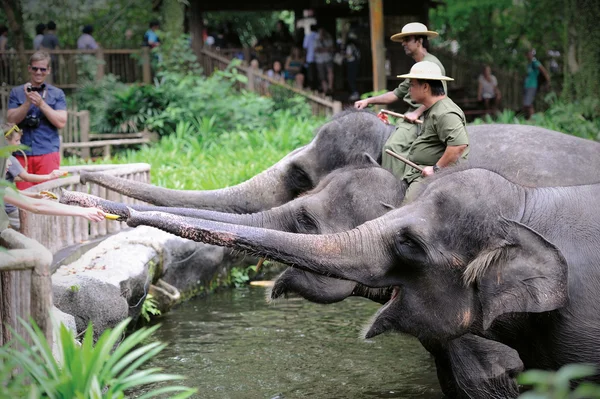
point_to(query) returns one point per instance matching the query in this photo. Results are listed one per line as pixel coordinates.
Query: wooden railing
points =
(25, 285)
(130, 65)
(260, 83)
(57, 232)
(465, 73)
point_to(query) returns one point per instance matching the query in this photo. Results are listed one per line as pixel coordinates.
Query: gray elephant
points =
(344, 199)
(476, 259)
(527, 152)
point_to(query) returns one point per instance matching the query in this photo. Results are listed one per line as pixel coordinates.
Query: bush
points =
(85, 371)
(557, 384)
(181, 94)
(581, 118)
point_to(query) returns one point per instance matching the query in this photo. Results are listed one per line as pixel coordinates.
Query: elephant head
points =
(341, 142)
(343, 200)
(458, 257)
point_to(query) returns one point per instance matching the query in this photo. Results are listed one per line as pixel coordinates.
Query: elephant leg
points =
(475, 367)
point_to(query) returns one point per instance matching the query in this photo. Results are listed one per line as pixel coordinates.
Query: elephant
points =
(344, 199)
(481, 266)
(527, 152)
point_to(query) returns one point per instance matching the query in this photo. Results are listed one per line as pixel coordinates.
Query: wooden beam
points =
(377, 44)
(196, 25)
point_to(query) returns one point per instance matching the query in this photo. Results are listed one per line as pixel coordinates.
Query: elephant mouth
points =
(395, 293)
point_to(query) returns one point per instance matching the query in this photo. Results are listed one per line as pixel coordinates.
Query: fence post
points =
(250, 83)
(146, 73)
(337, 107)
(99, 64)
(84, 129)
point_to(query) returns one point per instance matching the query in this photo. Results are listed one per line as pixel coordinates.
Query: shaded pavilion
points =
(377, 21)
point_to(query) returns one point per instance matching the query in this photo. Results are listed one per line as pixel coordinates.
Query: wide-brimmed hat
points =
(414, 29)
(425, 70)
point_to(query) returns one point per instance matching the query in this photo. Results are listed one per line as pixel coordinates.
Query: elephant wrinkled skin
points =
(474, 255)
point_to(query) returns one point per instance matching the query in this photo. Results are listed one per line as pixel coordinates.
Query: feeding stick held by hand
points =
(397, 115)
(406, 161)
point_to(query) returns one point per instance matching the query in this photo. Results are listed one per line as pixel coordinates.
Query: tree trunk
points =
(173, 15)
(14, 15)
(581, 52)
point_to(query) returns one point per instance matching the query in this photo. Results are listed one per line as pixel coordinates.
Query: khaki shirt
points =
(444, 125)
(403, 90)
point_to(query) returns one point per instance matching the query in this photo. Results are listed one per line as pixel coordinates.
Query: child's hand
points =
(93, 214)
(55, 174)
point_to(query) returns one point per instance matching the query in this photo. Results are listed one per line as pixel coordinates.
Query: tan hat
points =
(425, 70)
(414, 29)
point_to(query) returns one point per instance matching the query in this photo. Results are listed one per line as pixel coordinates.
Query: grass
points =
(197, 156)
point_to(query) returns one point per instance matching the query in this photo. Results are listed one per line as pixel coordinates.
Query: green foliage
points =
(498, 31)
(557, 385)
(249, 26)
(580, 118)
(110, 19)
(175, 56)
(96, 97)
(368, 94)
(85, 371)
(240, 277)
(199, 155)
(182, 94)
(149, 307)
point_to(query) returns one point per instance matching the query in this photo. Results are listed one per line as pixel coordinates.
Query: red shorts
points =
(38, 165)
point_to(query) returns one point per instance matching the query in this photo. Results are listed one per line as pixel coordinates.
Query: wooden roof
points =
(391, 7)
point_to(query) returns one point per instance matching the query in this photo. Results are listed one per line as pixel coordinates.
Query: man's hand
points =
(34, 98)
(427, 171)
(411, 116)
(361, 104)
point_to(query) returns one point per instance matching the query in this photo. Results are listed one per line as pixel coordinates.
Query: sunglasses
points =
(35, 69)
(15, 128)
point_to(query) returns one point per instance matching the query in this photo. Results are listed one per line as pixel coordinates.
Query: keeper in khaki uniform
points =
(415, 40)
(442, 140)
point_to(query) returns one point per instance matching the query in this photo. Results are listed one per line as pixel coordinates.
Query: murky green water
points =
(234, 345)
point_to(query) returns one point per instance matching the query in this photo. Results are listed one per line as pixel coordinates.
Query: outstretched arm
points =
(32, 178)
(46, 207)
(386, 98)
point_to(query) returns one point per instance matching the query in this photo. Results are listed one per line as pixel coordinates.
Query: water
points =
(233, 345)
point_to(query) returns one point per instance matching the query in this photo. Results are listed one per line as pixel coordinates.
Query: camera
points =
(38, 89)
(30, 121)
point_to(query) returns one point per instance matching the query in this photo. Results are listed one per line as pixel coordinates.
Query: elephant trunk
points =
(264, 191)
(342, 255)
(271, 219)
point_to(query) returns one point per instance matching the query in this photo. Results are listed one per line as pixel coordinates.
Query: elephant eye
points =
(405, 241)
(306, 223)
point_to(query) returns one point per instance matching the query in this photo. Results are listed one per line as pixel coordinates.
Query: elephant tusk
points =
(259, 264)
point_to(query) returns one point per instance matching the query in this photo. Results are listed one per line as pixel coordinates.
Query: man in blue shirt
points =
(534, 68)
(150, 37)
(40, 110)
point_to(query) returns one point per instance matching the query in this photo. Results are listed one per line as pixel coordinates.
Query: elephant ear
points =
(369, 160)
(525, 273)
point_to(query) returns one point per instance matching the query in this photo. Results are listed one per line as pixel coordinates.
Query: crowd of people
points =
(305, 60)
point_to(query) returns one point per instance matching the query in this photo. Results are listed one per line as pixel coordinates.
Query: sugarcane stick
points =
(397, 115)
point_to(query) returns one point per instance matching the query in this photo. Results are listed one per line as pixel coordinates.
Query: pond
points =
(233, 344)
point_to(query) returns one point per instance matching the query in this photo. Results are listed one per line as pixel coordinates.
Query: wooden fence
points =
(57, 232)
(25, 285)
(465, 73)
(260, 83)
(68, 66)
